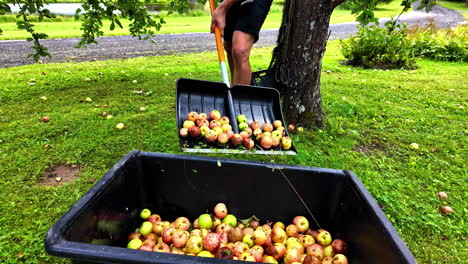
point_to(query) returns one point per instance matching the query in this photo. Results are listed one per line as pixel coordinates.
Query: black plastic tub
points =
(95, 229)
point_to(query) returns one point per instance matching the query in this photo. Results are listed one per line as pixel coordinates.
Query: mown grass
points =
(68, 27)
(459, 6)
(371, 118)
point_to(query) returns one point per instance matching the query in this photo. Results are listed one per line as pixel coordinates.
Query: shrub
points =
(375, 47)
(432, 42)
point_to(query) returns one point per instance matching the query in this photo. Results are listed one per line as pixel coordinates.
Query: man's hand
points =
(218, 19)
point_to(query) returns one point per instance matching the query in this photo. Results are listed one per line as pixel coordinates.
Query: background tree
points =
(297, 59)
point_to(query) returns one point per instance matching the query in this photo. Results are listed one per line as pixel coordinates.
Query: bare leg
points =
(240, 52)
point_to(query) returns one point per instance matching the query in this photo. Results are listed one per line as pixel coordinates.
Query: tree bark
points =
(297, 59)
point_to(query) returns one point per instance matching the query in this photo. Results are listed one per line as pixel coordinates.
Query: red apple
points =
(151, 236)
(194, 131)
(192, 116)
(257, 253)
(203, 122)
(266, 142)
(259, 237)
(220, 210)
(214, 123)
(162, 247)
(248, 130)
(223, 253)
(134, 236)
(236, 139)
(292, 230)
(267, 127)
(309, 259)
(224, 120)
(277, 124)
(230, 134)
(291, 128)
(202, 116)
(316, 250)
(277, 250)
(269, 259)
(223, 138)
(150, 242)
(235, 234)
(278, 235)
(211, 242)
(339, 246)
(183, 132)
(275, 142)
(182, 223)
(211, 136)
(244, 134)
(146, 247)
(248, 143)
(158, 228)
(292, 255)
(238, 248)
(154, 218)
(167, 235)
(215, 115)
(255, 125)
(302, 223)
(45, 119)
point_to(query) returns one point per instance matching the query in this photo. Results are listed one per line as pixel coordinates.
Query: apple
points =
(203, 130)
(278, 235)
(183, 132)
(324, 238)
(214, 123)
(309, 259)
(182, 223)
(277, 124)
(120, 126)
(248, 130)
(302, 223)
(286, 143)
(269, 259)
(223, 253)
(220, 210)
(339, 246)
(168, 235)
(109, 117)
(277, 134)
(254, 224)
(162, 247)
(194, 131)
(224, 120)
(230, 220)
(226, 127)
(235, 234)
(145, 213)
(328, 251)
(45, 119)
(211, 136)
(238, 248)
(205, 254)
(134, 243)
(248, 240)
(134, 235)
(241, 119)
(215, 115)
(230, 134)
(275, 142)
(203, 122)
(188, 124)
(149, 242)
(154, 218)
(279, 224)
(244, 135)
(306, 240)
(267, 127)
(247, 231)
(236, 139)
(340, 259)
(194, 245)
(142, 109)
(291, 128)
(327, 260)
(248, 143)
(211, 242)
(146, 247)
(292, 255)
(151, 236)
(277, 250)
(296, 245)
(266, 142)
(192, 116)
(255, 125)
(257, 252)
(177, 251)
(242, 126)
(216, 222)
(446, 210)
(246, 256)
(316, 250)
(257, 132)
(88, 99)
(300, 129)
(442, 196)
(204, 221)
(223, 237)
(158, 228)
(223, 138)
(146, 228)
(290, 241)
(196, 232)
(218, 130)
(259, 237)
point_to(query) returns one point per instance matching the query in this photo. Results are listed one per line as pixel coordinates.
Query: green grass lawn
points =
(175, 24)
(371, 118)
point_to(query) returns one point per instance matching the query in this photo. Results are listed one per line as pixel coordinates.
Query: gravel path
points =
(14, 53)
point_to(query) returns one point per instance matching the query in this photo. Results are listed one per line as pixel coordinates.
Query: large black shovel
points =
(256, 103)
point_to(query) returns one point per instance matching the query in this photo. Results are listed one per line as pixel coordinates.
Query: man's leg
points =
(240, 51)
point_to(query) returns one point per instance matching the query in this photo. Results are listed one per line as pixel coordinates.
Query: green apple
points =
(145, 213)
(205, 221)
(134, 243)
(230, 220)
(241, 119)
(243, 125)
(88, 99)
(146, 228)
(248, 240)
(120, 126)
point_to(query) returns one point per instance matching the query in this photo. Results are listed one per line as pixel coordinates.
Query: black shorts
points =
(247, 16)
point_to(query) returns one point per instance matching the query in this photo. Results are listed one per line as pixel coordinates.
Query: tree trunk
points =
(297, 60)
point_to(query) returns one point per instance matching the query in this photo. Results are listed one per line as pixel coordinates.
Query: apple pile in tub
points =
(221, 235)
(214, 128)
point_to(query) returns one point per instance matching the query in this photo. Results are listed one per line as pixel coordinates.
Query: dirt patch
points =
(368, 149)
(59, 175)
